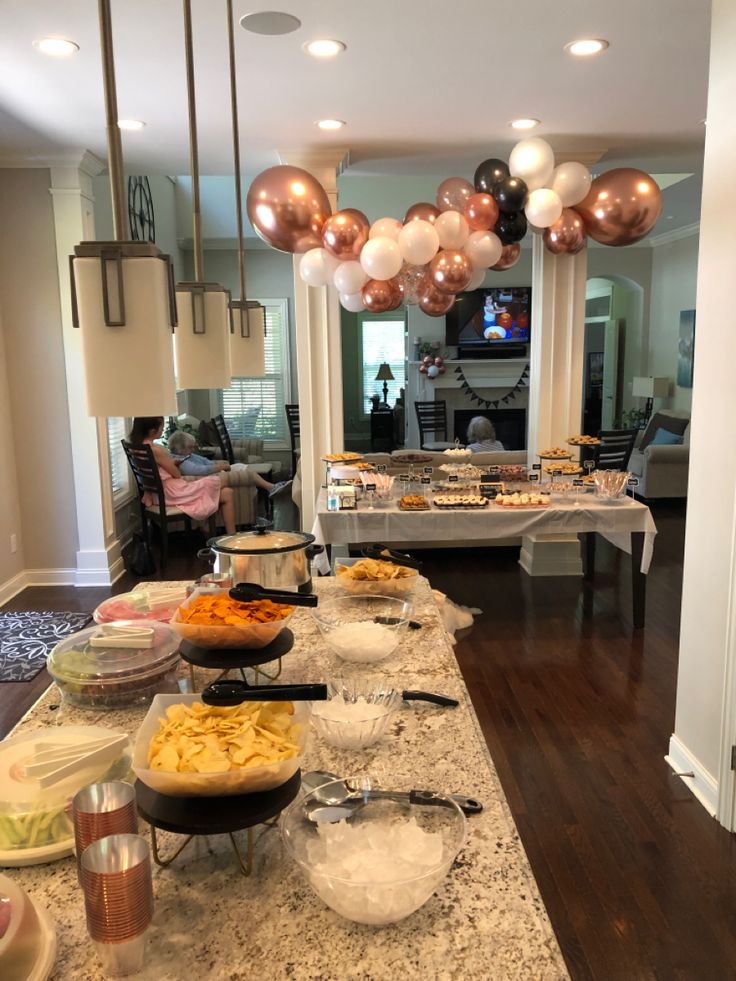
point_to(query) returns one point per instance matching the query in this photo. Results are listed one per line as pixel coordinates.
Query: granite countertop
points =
(486, 919)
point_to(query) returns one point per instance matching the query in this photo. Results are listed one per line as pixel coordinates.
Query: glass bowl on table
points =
(363, 629)
(610, 486)
(363, 576)
(356, 713)
(384, 861)
(210, 618)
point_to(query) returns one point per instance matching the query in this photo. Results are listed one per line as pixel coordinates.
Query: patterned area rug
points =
(26, 639)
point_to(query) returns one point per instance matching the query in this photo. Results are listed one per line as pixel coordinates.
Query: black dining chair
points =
(148, 480)
(292, 419)
(432, 420)
(614, 450)
(223, 438)
(382, 430)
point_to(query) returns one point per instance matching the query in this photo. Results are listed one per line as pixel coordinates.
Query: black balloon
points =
(510, 194)
(489, 173)
(511, 228)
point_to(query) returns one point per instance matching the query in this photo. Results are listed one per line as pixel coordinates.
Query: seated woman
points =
(191, 464)
(481, 436)
(198, 499)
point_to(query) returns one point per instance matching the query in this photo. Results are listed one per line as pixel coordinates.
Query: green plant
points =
(632, 419)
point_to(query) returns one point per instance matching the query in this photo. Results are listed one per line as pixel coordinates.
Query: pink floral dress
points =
(198, 498)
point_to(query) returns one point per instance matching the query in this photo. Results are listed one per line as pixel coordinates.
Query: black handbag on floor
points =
(139, 557)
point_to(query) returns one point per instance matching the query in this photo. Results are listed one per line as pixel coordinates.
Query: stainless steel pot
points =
(274, 559)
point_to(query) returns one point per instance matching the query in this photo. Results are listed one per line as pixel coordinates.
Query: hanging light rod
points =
(114, 143)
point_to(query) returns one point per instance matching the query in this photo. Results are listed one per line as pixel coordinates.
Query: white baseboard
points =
(703, 784)
(11, 587)
(60, 577)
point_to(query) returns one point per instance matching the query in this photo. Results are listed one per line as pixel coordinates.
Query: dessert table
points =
(485, 920)
(628, 525)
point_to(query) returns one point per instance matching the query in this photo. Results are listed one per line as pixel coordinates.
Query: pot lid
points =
(262, 541)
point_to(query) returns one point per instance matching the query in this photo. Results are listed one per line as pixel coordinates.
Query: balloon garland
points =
(442, 249)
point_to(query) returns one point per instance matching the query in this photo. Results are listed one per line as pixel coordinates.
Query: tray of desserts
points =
(583, 441)
(513, 471)
(413, 502)
(341, 457)
(460, 501)
(464, 471)
(555, 453)
(565, 469)
(527, 501)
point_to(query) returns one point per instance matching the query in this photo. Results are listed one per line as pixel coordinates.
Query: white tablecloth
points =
(387, 524)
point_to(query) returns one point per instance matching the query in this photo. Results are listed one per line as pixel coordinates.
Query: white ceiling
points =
(425, 87)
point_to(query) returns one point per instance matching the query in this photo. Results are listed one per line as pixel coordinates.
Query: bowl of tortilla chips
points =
(211, 618)
(372, 576)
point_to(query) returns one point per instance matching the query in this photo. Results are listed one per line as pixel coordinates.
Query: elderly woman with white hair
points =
(182, 446)
(481, 437)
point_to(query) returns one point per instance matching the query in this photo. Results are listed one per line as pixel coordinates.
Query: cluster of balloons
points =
(432, 367)
(442, 249)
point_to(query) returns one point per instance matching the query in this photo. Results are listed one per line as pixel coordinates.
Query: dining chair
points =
(432, 419)
(223, 438)
(292, 418)
(382, 430)
(614, 450)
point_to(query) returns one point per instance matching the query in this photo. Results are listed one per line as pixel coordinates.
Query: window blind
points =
(117, 429)
(382, 340)
(255, 406)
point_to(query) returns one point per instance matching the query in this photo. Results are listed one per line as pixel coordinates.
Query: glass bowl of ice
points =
(356, 713)
(363, 629)
(372, 858)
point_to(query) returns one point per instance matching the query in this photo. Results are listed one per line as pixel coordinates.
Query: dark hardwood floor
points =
(577, 709)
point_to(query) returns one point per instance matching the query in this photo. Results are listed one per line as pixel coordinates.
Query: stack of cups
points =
(102, 809)
(115, 874)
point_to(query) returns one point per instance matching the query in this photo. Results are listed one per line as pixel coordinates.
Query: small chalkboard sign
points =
(494, 471)
(536, 466)
(452, 479)
(556, 473)
(578, 482)
(404, 477)
(370, 487)
(589, 465)
(425, 480)
(490, 490)
(533, 476)
(429, 470)
(381, 468)
(633, 481)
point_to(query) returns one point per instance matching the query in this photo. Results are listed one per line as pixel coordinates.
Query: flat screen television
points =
(493, 317)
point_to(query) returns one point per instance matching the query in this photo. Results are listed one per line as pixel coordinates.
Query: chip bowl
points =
(398, 877)
(246, 780)
(251, 636)
(352, 612)
(396, 587)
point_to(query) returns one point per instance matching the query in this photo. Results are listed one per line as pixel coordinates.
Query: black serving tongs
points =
(382, 553)
(246, 592)
(233, 692)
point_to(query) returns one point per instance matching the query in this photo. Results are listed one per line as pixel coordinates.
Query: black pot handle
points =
(207, 553)
(260, 525)
(312, 550)
(429, 696)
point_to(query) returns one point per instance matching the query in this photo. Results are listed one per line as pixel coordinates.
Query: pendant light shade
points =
(247, 353)
(202, 337)
(122, 300)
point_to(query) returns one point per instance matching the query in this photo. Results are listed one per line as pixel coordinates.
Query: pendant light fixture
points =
(248, 332)
(202, 339)
(122, 295)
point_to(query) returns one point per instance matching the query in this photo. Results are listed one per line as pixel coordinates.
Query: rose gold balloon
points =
(566, 236)
(381, 295)
(450, 271)
(422, 369)
(423, 211)
(509, 257)
(453, 194)
(427, 359)
(434, 303)
(345, 233)
(288, 207)
(413, 280)
(439, 362)
(481, 212)
(621, 207)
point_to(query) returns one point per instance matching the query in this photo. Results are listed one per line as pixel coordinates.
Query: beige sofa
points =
(662, 470)
(398, 461)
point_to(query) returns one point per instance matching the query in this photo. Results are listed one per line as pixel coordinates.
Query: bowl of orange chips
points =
(211, 618)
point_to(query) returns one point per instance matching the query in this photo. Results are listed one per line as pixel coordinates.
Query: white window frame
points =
(126, 491)
(216, 399)
(398, 316)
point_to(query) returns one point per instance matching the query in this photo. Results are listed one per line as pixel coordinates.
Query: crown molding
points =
(675, 235)
(83, 160)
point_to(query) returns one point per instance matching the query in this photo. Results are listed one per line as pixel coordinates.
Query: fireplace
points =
(510, 425)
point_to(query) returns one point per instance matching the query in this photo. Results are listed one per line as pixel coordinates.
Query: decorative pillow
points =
(663, 437)
(661, 421)
(207, 434)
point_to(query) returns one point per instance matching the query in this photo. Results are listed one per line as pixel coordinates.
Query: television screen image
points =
(489, 317)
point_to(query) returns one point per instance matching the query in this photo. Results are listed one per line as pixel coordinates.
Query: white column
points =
(705, 717)
(318, 352)
(98, 555)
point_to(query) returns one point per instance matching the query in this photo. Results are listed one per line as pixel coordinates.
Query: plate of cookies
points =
(413, 502)
(460, 501)
(517, 500)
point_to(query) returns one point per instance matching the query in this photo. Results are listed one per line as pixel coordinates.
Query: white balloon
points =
(352, 302)
(433, 371)
(543, 207)
(418, 242)
(349, 277)
(484, 249)
(533, 161)
(476, 280)
(452, 229)
(385, 228)
(381, 258)
(317, 267)
(572, 182)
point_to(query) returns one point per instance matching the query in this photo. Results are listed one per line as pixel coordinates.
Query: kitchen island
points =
(485, 921)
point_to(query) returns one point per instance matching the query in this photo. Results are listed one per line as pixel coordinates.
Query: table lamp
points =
(385, 375)
(650, 388)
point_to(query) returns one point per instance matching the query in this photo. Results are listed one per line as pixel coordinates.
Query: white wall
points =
(674, 280)
(10, 520)
(35, 377)
(710, 547)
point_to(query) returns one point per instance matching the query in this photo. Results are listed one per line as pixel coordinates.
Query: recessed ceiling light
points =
(587, 46)
(330, 123)
(324, 48)
(131, 123)
(57, 47)
(526, 123)
(270, 22)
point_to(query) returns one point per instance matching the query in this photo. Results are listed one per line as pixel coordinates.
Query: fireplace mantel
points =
(479, 374)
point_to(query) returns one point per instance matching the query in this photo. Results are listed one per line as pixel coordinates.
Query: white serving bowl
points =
(338, 621)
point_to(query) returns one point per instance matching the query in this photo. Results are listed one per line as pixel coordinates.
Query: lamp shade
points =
(384, 372)
(202, 337)
(248, 339)
(648, 387)
(122, 303)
